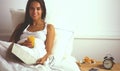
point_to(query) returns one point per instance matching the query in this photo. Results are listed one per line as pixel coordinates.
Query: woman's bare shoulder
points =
(50, 27)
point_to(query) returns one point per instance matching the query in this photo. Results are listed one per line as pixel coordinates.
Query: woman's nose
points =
(34, 10)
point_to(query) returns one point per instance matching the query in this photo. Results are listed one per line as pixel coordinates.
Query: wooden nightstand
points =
(98, 65)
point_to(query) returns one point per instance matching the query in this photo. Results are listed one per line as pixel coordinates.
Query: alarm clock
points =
(108, 62)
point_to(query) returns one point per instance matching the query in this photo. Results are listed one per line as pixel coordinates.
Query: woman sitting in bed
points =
(34, 25)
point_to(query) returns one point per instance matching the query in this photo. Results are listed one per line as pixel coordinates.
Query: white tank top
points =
(40, 37)
(38, 34)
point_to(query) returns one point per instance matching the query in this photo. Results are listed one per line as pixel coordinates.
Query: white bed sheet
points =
(10, 64)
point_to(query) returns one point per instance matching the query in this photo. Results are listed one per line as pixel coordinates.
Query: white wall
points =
(60, 13)
(96, 48)
(98, 18)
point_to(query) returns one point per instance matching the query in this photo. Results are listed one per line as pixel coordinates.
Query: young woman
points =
(34, 25)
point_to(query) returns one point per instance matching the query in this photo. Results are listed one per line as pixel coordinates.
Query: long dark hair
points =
(28, 20)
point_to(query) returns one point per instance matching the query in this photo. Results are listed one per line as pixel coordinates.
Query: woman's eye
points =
(38, 8)
(31, 8)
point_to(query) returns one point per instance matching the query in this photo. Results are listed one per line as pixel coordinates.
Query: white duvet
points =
(11, 64)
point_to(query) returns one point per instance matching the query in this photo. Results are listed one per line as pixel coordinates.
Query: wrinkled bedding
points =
(8, 63)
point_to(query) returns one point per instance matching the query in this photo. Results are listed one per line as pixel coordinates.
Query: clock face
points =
(108, 64)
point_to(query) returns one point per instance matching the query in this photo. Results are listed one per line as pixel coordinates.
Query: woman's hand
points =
(43, 59)
(27, 43)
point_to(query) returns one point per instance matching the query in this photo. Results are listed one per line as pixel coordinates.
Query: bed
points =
(62, 49)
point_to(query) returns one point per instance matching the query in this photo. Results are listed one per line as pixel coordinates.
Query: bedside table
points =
(98, 65)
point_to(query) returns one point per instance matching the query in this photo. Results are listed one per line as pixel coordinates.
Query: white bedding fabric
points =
(9, 64)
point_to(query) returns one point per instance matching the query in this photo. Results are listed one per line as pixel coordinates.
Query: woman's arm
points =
(49, 43)
(50, 38)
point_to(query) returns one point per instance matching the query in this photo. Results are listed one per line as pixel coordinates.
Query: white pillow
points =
(62, 44)
(17, 16)
(63, 38)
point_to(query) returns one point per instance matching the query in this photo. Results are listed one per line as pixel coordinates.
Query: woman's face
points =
(35, 10)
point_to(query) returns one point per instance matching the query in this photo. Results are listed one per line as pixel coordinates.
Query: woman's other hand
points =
(42, 60)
